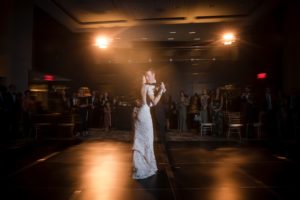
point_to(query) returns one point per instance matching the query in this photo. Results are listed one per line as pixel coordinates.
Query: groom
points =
(160, 123)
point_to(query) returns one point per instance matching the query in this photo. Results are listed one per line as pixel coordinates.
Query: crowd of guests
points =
(89, 109)
(16, 109)
(278, 112)
(94, 109)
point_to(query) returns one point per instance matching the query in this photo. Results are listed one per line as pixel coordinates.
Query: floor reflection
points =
(228, 186)
(106, 177)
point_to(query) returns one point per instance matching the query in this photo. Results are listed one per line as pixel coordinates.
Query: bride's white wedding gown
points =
(144, 163)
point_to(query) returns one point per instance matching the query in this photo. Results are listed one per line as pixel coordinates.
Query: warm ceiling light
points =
(228, 38)
(102, 42)
(173, 32)
(192, 32)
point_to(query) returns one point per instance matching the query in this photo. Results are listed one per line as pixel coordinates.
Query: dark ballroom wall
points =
(291, 55)
(276, 46)
(16, 25)
(5, 29)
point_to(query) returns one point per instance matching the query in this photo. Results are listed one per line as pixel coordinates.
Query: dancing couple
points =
(144, 163)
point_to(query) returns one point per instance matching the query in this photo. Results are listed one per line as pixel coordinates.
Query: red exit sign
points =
(261, 75)
(48, 77)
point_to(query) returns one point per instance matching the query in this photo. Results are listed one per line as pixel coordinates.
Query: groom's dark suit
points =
(159, 120)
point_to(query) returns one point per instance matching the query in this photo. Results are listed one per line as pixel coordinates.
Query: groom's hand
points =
(163, 87)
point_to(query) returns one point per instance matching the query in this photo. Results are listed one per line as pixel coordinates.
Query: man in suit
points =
(159, 112)
(14, 109)
(269, 106)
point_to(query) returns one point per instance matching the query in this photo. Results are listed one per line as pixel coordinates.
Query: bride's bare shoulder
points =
(144, 87)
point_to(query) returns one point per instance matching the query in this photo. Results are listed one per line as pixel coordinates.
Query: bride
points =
(144, 163)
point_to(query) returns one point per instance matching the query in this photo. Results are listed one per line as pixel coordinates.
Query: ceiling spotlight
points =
(171, 60)
(149, 60)
(228, 38)
(172, 32)
(192, 32)
(102, 42)
(170, 38)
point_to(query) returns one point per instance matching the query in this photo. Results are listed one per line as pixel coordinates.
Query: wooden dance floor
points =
(100, 169)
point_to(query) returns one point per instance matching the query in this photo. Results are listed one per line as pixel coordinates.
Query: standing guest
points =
(205, 98)
(216, 111)
(107, 116)
(101, 110)
(105, 98)
(64, 98)
(14, 109)
(282, 114)
(247, 105)
(3, 112)
(182, 112)
(95, 110)
(269, 105)
(194, 108)
(73, 101)
(84, 102)
(173, 116)
(28, 111)
(114, 112)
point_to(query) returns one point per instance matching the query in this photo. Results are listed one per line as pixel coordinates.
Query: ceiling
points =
(185, 32)
(165, 15)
